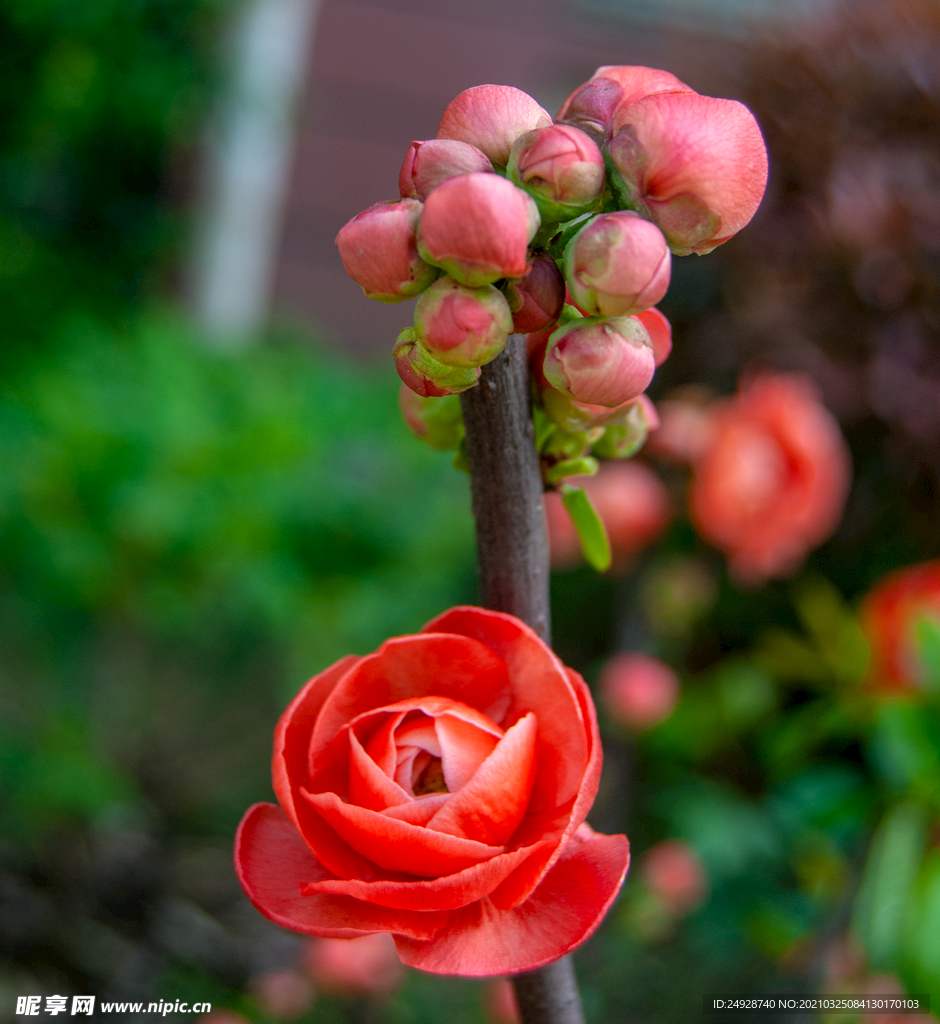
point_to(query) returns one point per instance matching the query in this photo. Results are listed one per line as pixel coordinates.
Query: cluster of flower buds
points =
(561, 230)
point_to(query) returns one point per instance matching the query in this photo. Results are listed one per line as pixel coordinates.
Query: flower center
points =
(429, 778)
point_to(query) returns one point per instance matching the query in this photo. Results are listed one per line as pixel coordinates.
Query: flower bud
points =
(427, 164)
(600, 361)
(696, 165)
(591, 107)
(436, 421)
(536, 300)
(660, 331)
(626, 434)
(464, 327)
(639, 691)
(579, 417)
(492, 117)
(561, 168)
(425, 375)
(378, 249)
(477, 228)
(617, 264)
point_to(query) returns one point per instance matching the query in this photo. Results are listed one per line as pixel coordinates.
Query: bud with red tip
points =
(617, 264)
(429, 163)
(465, 327)
(561, 168)
(591, 107)
(477, 227)
(697, 166)
(379, 251)
(436, 421)
(537, 299)
(425, 375)
(492, 117)
(600, 361)
(638, 690)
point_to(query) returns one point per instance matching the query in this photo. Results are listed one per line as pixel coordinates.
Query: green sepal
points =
(584, 466)
(544, 428)
(587, 522)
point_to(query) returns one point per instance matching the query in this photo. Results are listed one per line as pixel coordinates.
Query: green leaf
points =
(922, 935)
(587, 522)
(893, 861)
(927, 642)
(584, 466)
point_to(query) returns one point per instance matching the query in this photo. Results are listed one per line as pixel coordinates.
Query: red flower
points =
(437, 790)
(890, 615)
(772, 480)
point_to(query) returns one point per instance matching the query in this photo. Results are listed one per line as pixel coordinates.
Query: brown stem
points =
(512, 557)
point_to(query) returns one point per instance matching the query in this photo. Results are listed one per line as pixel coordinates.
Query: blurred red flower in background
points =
(638, 690)
(891, 615)
(771, 481)
(367, 966)
(674, 873)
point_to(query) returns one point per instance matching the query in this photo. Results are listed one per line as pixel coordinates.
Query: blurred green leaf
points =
(922, 930)
(927, 646)
(905, 746)
(881, 907)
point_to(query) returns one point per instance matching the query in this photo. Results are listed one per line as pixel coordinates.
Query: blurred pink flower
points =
(772, 481)
(366, 966)
(638, 690)
(283, 994)
(477, 227)
(378, 249)
(674, 873)
(499, 1002)
(428, 164)
(698, 166)
(492, 117)
(631, 501)
(617, 264)
(600, 361)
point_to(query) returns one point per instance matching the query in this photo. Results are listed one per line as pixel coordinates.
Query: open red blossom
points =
(891, 615)
(437, 790)
(773, 477)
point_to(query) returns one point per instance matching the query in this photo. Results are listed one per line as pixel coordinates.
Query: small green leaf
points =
(585, 466)
(587, 522)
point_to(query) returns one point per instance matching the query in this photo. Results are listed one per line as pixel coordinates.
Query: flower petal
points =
(491, 805)
(464, 747)
(369, 786)
(273, 864)
(479, 940)
(539, 684)
(396, 845)
(447, 893)
(420, 810)
(563, 822)
(292, 735)
(412, 666)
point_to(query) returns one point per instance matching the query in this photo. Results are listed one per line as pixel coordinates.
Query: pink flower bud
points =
(617, 264)
(697, 165)
(660, 331)
(367, 965)
(437, 421)
(638, 690)
(492, 117)
(425, 375)
(561, 168)
(592, 106)
(536, 300)
(600, 361)
(464, 327)
(378, 249)
(427, 164)
(626, 433)
(579, 417)
(674, 873)
(478, 227)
